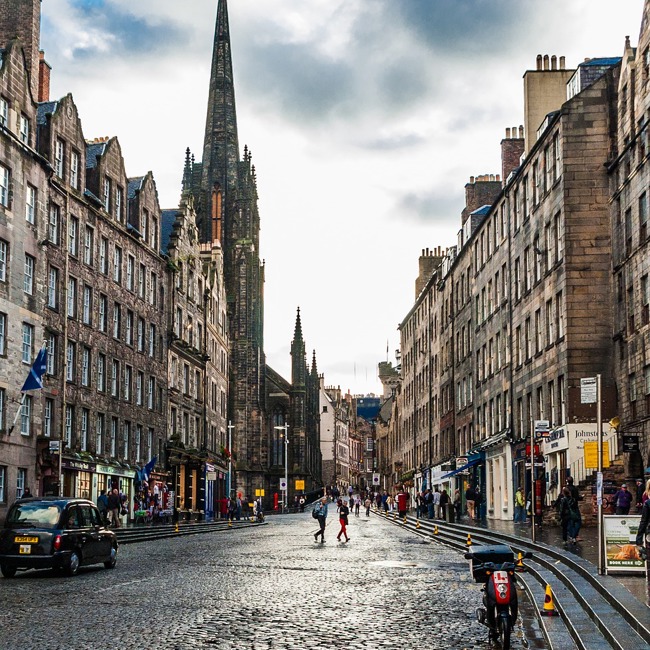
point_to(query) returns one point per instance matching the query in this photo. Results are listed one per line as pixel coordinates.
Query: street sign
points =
(210, 476)
(460, 461)
(375, 479)
(599, 488)
(300, 484)
(536, 465)
(283, 484)
(54, 445)
(542, 428)
(259, 493)
(588, 390)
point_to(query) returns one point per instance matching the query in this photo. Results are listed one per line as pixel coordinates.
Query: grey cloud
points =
(435, 206)
(124, 34)
(481, 27)
(393, 143)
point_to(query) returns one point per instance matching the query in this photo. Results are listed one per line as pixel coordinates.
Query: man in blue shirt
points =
(321, 512)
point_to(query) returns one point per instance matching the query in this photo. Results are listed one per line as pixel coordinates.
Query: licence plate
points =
(23, 539)
(25, 549)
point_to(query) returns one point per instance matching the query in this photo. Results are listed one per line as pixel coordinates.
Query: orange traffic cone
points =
(435, 530)
(549, 606)
(520, 561)
(176, 529)
(417, 525)
(404, 520)
(229, 523)
(469, 540)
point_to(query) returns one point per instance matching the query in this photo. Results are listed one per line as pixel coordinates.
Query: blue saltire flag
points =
(34, 379)
(148, 468)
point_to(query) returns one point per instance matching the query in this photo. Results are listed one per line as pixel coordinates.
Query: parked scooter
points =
(494, 566)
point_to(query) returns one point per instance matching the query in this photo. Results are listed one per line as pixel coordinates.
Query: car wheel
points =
(7, 570)
(73, 564)
(110, 564)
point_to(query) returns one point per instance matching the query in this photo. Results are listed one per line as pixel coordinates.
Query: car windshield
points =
(33, 515)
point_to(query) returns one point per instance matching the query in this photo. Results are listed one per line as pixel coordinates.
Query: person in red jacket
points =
(344, 511)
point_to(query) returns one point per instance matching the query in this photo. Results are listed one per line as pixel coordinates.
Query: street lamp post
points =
(231, 426)
(285, 428)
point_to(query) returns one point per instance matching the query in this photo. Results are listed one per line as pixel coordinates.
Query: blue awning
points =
(462, 468)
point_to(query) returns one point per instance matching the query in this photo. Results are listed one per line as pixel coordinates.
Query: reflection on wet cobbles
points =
(263, 588)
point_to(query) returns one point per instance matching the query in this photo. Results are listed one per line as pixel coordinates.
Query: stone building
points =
(24, 188)
(629, 175)
(524, 304)
(198, 450)
(105, 307)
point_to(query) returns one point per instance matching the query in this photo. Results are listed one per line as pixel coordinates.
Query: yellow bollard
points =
(176, 528)
(469, 539)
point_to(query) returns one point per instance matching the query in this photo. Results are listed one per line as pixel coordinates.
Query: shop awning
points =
(462, 468)
(497, 439)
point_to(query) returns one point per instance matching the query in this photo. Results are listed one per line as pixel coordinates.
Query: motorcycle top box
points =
(479, 555)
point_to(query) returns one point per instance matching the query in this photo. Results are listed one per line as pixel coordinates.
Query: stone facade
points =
(23, 223)
(520, 311)
(629, 175)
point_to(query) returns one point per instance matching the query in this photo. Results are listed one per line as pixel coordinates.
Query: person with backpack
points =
(569, 516)
(643, 534)
(320, 513)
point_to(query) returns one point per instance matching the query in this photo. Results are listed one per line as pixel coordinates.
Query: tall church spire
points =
(298, 360)
(221, 144)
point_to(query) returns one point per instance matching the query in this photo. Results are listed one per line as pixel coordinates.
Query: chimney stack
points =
(44, 70)
(512, 146)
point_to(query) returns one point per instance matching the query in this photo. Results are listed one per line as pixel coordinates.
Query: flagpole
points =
(18, 412)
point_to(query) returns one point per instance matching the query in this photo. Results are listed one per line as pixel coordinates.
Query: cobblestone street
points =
(269, 587)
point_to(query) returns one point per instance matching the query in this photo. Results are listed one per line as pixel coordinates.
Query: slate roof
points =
(483, 210)
(135, 184)
(603, 61)
(93, 151)
(43, 110)
(168, 217)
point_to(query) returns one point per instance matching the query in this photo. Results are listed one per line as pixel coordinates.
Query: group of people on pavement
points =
(112, 506)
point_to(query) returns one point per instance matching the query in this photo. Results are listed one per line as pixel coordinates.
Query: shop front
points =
(499, 491)
(555, 449)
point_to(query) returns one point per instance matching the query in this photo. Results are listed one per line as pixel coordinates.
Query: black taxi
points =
(55, 533)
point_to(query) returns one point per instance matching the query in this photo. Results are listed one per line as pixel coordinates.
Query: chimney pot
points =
(471, 179)
(508, 133)
(546, 62)
(562, 60)
(554, 62)
(539, 61)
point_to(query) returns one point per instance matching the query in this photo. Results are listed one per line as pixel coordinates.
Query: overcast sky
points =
(365, 119)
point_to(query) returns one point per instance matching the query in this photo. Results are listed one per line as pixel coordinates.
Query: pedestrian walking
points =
(114, 506)
(520, 507)
(469, 500)
(436, 502)
(569, 516)
(428, 500)
(444, 503)
(458, 504)
(102, 506)
(478, 499)
(357, 505)
(321, 515)
(639, 495)
(344, 511)
(623, 500)
(643, 532)
(367, 503)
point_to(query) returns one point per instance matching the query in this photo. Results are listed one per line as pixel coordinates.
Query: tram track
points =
(596, 611)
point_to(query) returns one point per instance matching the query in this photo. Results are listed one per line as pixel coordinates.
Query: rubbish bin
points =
(451, 514)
